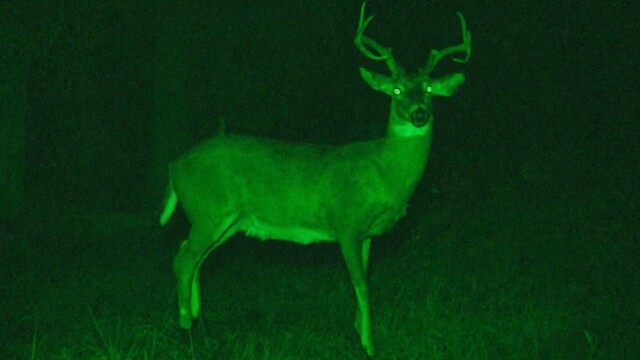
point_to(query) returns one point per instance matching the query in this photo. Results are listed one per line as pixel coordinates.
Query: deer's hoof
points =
(370, 349)
(185, 319)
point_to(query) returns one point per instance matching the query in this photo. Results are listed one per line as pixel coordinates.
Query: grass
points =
(514, 275)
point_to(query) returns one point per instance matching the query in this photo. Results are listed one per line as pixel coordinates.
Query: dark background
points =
(546, 78)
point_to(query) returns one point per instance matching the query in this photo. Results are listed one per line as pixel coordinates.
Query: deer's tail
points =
(170, 202)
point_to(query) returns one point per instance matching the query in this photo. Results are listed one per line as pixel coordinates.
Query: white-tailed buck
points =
(309, 193)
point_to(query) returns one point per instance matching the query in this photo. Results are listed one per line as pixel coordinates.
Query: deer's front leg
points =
(355, 257)
(366, 244)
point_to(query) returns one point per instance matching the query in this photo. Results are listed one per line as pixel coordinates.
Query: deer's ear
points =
(377, 81)
(447, 85)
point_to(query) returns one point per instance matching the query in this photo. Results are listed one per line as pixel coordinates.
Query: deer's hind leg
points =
(193, 251)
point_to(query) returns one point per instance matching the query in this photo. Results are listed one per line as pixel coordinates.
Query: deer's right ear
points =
(377, 81)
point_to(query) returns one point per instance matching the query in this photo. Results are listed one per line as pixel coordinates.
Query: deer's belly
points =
(253, 227)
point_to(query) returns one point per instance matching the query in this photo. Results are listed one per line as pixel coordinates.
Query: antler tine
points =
(436, 55)
(384, 53)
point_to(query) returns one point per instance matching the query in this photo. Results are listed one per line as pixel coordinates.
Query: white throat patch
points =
(406, 129)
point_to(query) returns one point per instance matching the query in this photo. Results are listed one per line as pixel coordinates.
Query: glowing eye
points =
(397, 91)
(428, 89)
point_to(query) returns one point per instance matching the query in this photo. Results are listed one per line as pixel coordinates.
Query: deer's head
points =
(411, 94)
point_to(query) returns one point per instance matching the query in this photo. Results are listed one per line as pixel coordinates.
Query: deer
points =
(308, 193)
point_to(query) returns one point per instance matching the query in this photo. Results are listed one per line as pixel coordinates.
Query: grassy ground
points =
(525, 270)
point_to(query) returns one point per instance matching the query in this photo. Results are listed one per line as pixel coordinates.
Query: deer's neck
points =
(408, 154)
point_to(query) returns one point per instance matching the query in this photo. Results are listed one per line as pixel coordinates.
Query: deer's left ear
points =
(447, 85)
(377, 81)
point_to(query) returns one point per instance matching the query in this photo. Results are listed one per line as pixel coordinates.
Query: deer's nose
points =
(419, 117)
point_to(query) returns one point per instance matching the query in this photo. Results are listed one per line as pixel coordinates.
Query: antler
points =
(436, 55)
(384, 53)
